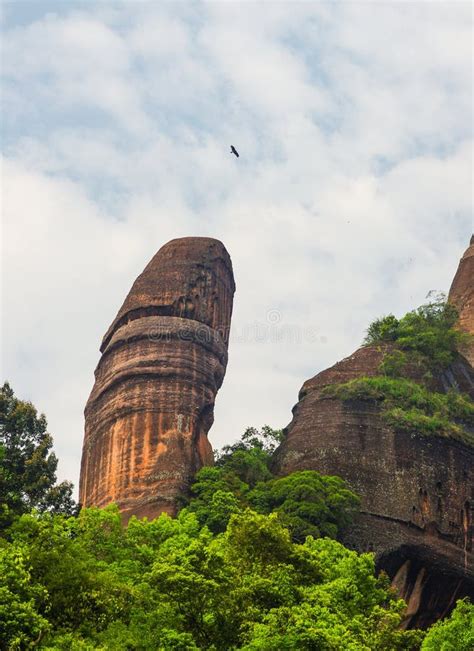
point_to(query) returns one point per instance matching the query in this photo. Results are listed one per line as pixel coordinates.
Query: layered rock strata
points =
(417, 490)
(461, 295)
(163, 361)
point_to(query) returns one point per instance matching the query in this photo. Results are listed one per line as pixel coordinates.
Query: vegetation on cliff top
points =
(426, 340)
(409, 406)
(428, 334)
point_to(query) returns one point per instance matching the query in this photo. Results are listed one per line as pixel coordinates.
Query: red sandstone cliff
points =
(417, 491)
(461, 295)
(163, 361)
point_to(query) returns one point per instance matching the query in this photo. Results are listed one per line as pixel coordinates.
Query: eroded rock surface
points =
(163, 361)
(417, 490)
(461, 295)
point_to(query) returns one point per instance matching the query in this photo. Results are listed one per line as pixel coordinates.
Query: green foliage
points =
(27, 465)
(430, 331)
(222, 490)
(20, 620)
(456, 633)
(416, 421)
(219, 576)
(249, 459)
(79, 586)
(215, 495)
(348, 608)
(394, 363)
(405, 393)
(87, 583)
(425, 340)
(409, 406)
(382, 330)
(306, 502)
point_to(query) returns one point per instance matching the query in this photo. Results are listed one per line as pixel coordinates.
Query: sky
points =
(352, 196)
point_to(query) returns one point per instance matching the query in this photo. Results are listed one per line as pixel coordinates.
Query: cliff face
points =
(461, 295)
(163, 361)
(417, 490)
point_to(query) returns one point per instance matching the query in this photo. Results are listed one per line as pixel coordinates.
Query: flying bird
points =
(233, 150)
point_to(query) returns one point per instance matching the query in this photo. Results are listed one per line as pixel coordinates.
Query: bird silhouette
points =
(233, 150)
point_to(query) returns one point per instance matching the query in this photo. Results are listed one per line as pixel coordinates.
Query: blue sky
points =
(351, 198)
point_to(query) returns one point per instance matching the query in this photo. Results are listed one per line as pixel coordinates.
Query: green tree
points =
(429, 333)
(250, 457)
(87, 583)
(27, 465)
(348, 608)
(456, 633)
(383, 329)
(81, 593)
(221, 490)
(215, 495)
(308, 503)
(21, 623)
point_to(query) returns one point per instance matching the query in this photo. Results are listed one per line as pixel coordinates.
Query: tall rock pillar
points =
(163, 361)
(461, 295)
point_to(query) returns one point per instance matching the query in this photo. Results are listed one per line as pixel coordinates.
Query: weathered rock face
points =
(417, 491)
(461, 295)
(163, 361)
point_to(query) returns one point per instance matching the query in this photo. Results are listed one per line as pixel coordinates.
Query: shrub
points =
(407, 405)
(430, 331)
(456, 633)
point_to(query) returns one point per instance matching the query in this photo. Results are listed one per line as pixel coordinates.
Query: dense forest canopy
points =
(252, 561)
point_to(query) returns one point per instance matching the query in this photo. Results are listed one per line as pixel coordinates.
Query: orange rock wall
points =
(461, 295)
(163, 361)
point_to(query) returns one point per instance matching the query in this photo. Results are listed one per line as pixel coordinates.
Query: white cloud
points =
(351, 198)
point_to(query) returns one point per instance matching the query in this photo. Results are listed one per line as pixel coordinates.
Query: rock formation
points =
(163, 361)
(417, 491)
(461, 295)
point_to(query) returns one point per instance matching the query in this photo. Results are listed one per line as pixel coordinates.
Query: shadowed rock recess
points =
(416, 490)
(163, 361)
